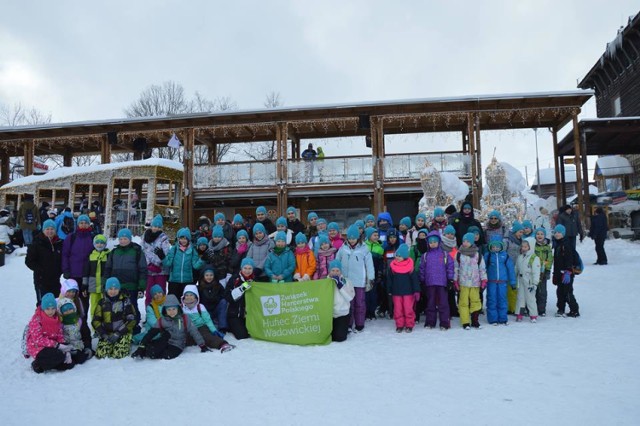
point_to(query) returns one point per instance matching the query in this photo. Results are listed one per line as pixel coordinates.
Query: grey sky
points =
(82, 61)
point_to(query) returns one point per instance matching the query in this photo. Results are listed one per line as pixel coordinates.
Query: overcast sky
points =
(89, 60)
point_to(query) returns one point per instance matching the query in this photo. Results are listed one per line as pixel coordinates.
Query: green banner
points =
(298, 313)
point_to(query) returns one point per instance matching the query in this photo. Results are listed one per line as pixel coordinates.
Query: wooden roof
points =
(507, 111)
(605, 136)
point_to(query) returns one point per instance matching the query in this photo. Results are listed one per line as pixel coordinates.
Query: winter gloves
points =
(237, 292)
(483, 284)
(456, 285)
(111, 338)
(159, 252)
(566, 277)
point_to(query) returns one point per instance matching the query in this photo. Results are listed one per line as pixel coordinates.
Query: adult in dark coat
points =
(598, 232)
(569, 218)
(44, 258)
(463, 220)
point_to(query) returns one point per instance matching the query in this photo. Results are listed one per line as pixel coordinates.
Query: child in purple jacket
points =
(436, 272)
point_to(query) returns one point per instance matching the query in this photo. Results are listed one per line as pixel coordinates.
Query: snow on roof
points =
(613, 165)
(497, 96)
(70, 171)
(548, 176)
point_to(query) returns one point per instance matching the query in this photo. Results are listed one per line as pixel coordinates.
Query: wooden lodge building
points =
(375, 182)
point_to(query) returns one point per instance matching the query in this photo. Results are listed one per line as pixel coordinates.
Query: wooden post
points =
(474, 164)
(67, 158)
(189, 142)
(377, 151)
(213, 153)
(105, 151)
(29, 150)
(478, 158)
(563, 183)
(5, 168)
(281, 167)
(556, 164)
(585, 176)
(576, 150)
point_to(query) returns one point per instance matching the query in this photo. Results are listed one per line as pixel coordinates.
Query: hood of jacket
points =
(191, 288)
(171, 300)
(434, 234)
(385, 216)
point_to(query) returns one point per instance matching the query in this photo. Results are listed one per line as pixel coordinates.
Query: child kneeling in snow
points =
(71, 327)
(114, 320)
(45, 339)
(172, 328)
(528, 273)
(199, 316)
(343, 294)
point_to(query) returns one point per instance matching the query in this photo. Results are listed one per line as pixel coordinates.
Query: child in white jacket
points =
(528, 276)
(343, 294)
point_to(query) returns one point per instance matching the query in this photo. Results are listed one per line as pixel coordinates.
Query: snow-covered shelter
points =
(613, 172)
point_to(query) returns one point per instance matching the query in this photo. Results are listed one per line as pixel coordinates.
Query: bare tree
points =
(20, 115)
(266, 151)
(170, 99)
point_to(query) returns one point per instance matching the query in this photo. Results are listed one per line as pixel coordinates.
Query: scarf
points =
(353, 246)
(50, 325)
(246, 278)
(221, 244)
(326, 253)
(437, 226)
(242, 248)
(303, 250)
(279, 250)
(423, 245)
(150, 236)
(448, 244)
(403, 267)
(496, 225)
(70, 319)
(156, 306)
(471, 251)
(258, 242)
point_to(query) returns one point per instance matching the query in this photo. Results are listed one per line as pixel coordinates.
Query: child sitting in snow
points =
(470, 274)
(153, 312)
(305, 259)
(45, 338)
(343, 294)
(172, 327)
(71, 326)
(528, 274)
(201, 319)
(403, 286)
(114, 320)
(69, 289)
(212, 297)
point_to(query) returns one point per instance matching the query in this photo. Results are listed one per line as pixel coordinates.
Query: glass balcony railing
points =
(234, 175)
(410, 166)
(331, 170)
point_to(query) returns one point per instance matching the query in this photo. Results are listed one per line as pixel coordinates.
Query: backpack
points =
(29, 216)
(578, 266)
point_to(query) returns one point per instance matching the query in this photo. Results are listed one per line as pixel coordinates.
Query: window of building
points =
(617, 108)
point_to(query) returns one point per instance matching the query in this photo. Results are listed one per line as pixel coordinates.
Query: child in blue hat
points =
(234, 294)
(263, 219)
(280, 263)
(404, 288)
(305, 259)
(293, 222)
(469, 276)
(325, 253)
(222, 251)
(181, 261)
(155, 245)
(114, 321)
(343, 294)
(259, 250)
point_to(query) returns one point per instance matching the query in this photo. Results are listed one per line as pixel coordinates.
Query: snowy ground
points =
(559, 371)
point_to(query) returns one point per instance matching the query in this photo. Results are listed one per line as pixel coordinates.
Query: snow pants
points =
(437, 304)
(117, 350)
(403, 312)
(152, 280)
(219, 315)
(602, 255)
(358, 308)
(497, 302)
(541, 295)
(468, 303)
(340, 329)
(94, 300)
(238, 327)
(160, 348)
(512, 299)
(564, 292)
(210, 340)
(49, 359)
(371, 301)
(526, 299)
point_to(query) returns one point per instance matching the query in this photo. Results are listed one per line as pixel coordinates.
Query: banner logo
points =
(270, 305)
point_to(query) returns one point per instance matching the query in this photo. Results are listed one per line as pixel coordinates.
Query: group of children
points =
(378, 270)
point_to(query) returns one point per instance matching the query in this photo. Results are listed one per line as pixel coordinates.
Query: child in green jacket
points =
(545, 254)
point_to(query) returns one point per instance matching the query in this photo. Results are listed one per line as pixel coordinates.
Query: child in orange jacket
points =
(305, 259)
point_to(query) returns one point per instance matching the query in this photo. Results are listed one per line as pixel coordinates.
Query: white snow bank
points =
(452, 185)
(515, 181)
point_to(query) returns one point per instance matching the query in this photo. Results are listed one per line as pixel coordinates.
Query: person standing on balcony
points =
(309, 155)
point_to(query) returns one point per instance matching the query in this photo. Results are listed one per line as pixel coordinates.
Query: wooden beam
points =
(29, 149)
(377, 151)
(474, 164)
(105, 150)
(478, 157)
(67, 158)
(189, 142)
(576, 148)
(585, 177)
(556, 165)
(5, 168)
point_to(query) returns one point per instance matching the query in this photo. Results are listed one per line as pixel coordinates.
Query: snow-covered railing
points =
(410, 166)
(239, 174)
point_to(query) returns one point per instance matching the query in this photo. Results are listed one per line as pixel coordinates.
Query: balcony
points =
(331, 170)
(235, 175)
(410, 166)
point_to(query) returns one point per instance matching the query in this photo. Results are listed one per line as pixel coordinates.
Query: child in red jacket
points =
(403, 286)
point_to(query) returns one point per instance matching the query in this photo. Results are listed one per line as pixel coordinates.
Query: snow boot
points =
(573, 314)
(560, 314)
(466, 326)
(533, 319)
(519, 318)
(408, 329)
(474, 319)
(399, 329)
(226, 348)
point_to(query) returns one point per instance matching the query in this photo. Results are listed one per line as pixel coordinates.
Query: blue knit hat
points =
(433, 239)
(184, 233)
(335, 263)
(403, 251)
(496, 241)
(369, 217)
(218, 216)
(261, 209)
(470, 237)
(258, 227)
(359, 223)
(84, 218)
(301, 238)
(217, 232)
(321, 220)
(242, 233)
(466, 204)
(207, 268)
(334, 226)
(425, 231)
(495, 213)
(392, 232)
(517, 226)
(100, 239)
(237, 218)
(561, 229)
(406, 221)
(474, 229)
(125, 233)
(449, 230)
(202, 241)
(48, 301)
(291, 209)
(540, 229)
(527, 224)
(421, 216)
(247, 261)
(312, 215)
(155, 290)
(353, 233)
(438, 211)
(281, 221)
(48, 224)
(323, 239)
(112, 282)
(369, 232)
(281, 236)
(157, 221)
